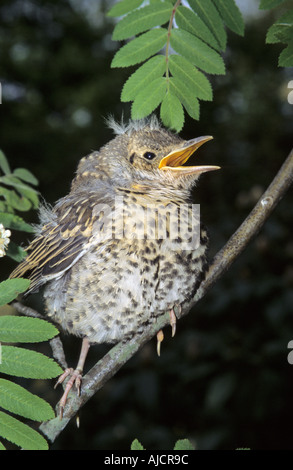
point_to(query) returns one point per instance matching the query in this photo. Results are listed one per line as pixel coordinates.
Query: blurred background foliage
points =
(224, 380)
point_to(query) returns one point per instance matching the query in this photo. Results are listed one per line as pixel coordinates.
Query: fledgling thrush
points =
(119, 250)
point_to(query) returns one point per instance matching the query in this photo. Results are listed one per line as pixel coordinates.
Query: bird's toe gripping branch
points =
(75, 376)
(75, 379)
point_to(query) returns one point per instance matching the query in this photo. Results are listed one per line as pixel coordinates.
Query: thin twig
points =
(123, 351)
(55, 343)
(27, 311)
(248, 229)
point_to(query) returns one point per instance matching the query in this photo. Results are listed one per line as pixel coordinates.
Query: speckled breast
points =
(155, 262)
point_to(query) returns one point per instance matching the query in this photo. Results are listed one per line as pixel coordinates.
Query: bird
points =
(125, 245)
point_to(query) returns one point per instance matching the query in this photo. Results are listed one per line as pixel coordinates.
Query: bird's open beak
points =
(179, 156)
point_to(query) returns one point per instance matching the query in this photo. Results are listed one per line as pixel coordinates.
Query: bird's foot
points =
(75, 376)
(75, 379)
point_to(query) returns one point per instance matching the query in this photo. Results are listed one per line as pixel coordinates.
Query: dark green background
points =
(224, 381)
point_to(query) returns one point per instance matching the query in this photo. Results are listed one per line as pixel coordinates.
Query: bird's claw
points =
(160, 334)
(173, 320)
(75, 379)
(160, 337)
(66, 373)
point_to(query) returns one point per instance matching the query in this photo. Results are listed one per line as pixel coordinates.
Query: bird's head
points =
(144, 156)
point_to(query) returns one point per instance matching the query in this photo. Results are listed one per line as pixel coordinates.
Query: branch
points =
(123, 351)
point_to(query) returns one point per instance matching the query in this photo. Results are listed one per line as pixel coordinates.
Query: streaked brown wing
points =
(61, 243)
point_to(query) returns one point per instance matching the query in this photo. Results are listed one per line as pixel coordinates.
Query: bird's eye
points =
(149, 155)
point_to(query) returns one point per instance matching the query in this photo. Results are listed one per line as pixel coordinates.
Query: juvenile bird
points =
(125, 245)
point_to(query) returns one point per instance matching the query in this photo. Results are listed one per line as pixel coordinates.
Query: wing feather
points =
(62, 241)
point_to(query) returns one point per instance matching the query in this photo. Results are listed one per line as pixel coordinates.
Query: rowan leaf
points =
(281, 30)
(146, 73)
(183, 444)
(18, 400)
(15, 222)
(186, 96)
(10, 289)
(286, 56)
(25, 330)
(26, 363)
(197, 52)
(25, 175)
(123, 7)
(14, 201)
(20, 434)
(4, 165)
(231, 15)
(141, 48)
(148, 99)
(12, 180)
(268, 4)
(136, 445)
(15, 252)
(193, 79)
(189, 21)
(207, 11)
(143, 19)
(171, 112)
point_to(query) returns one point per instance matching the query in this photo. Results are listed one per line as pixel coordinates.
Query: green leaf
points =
(186, 96)
(141, 48)
(172, 114)
(142, 20)
(279, 33)
(148, 72)
(192, 78)
(136, 445)
(148, 99)
(186, 19)
(13, 200)
(197, 52)
(231, 15)
(18, 400)
(20, 434)
(29, 364)
(4, 165)
(207, 11)
(4, 207)
(25, 330)
(15, 222)
(123, 7)
(12, 180)
(268, 4)
(25, 175)
(15, 252)
(31, 195)
(183, 444)
(282, 30)
(10, 289)
(2, 446)
(286, 56)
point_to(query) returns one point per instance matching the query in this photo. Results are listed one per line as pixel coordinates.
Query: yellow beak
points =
(179, 156)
